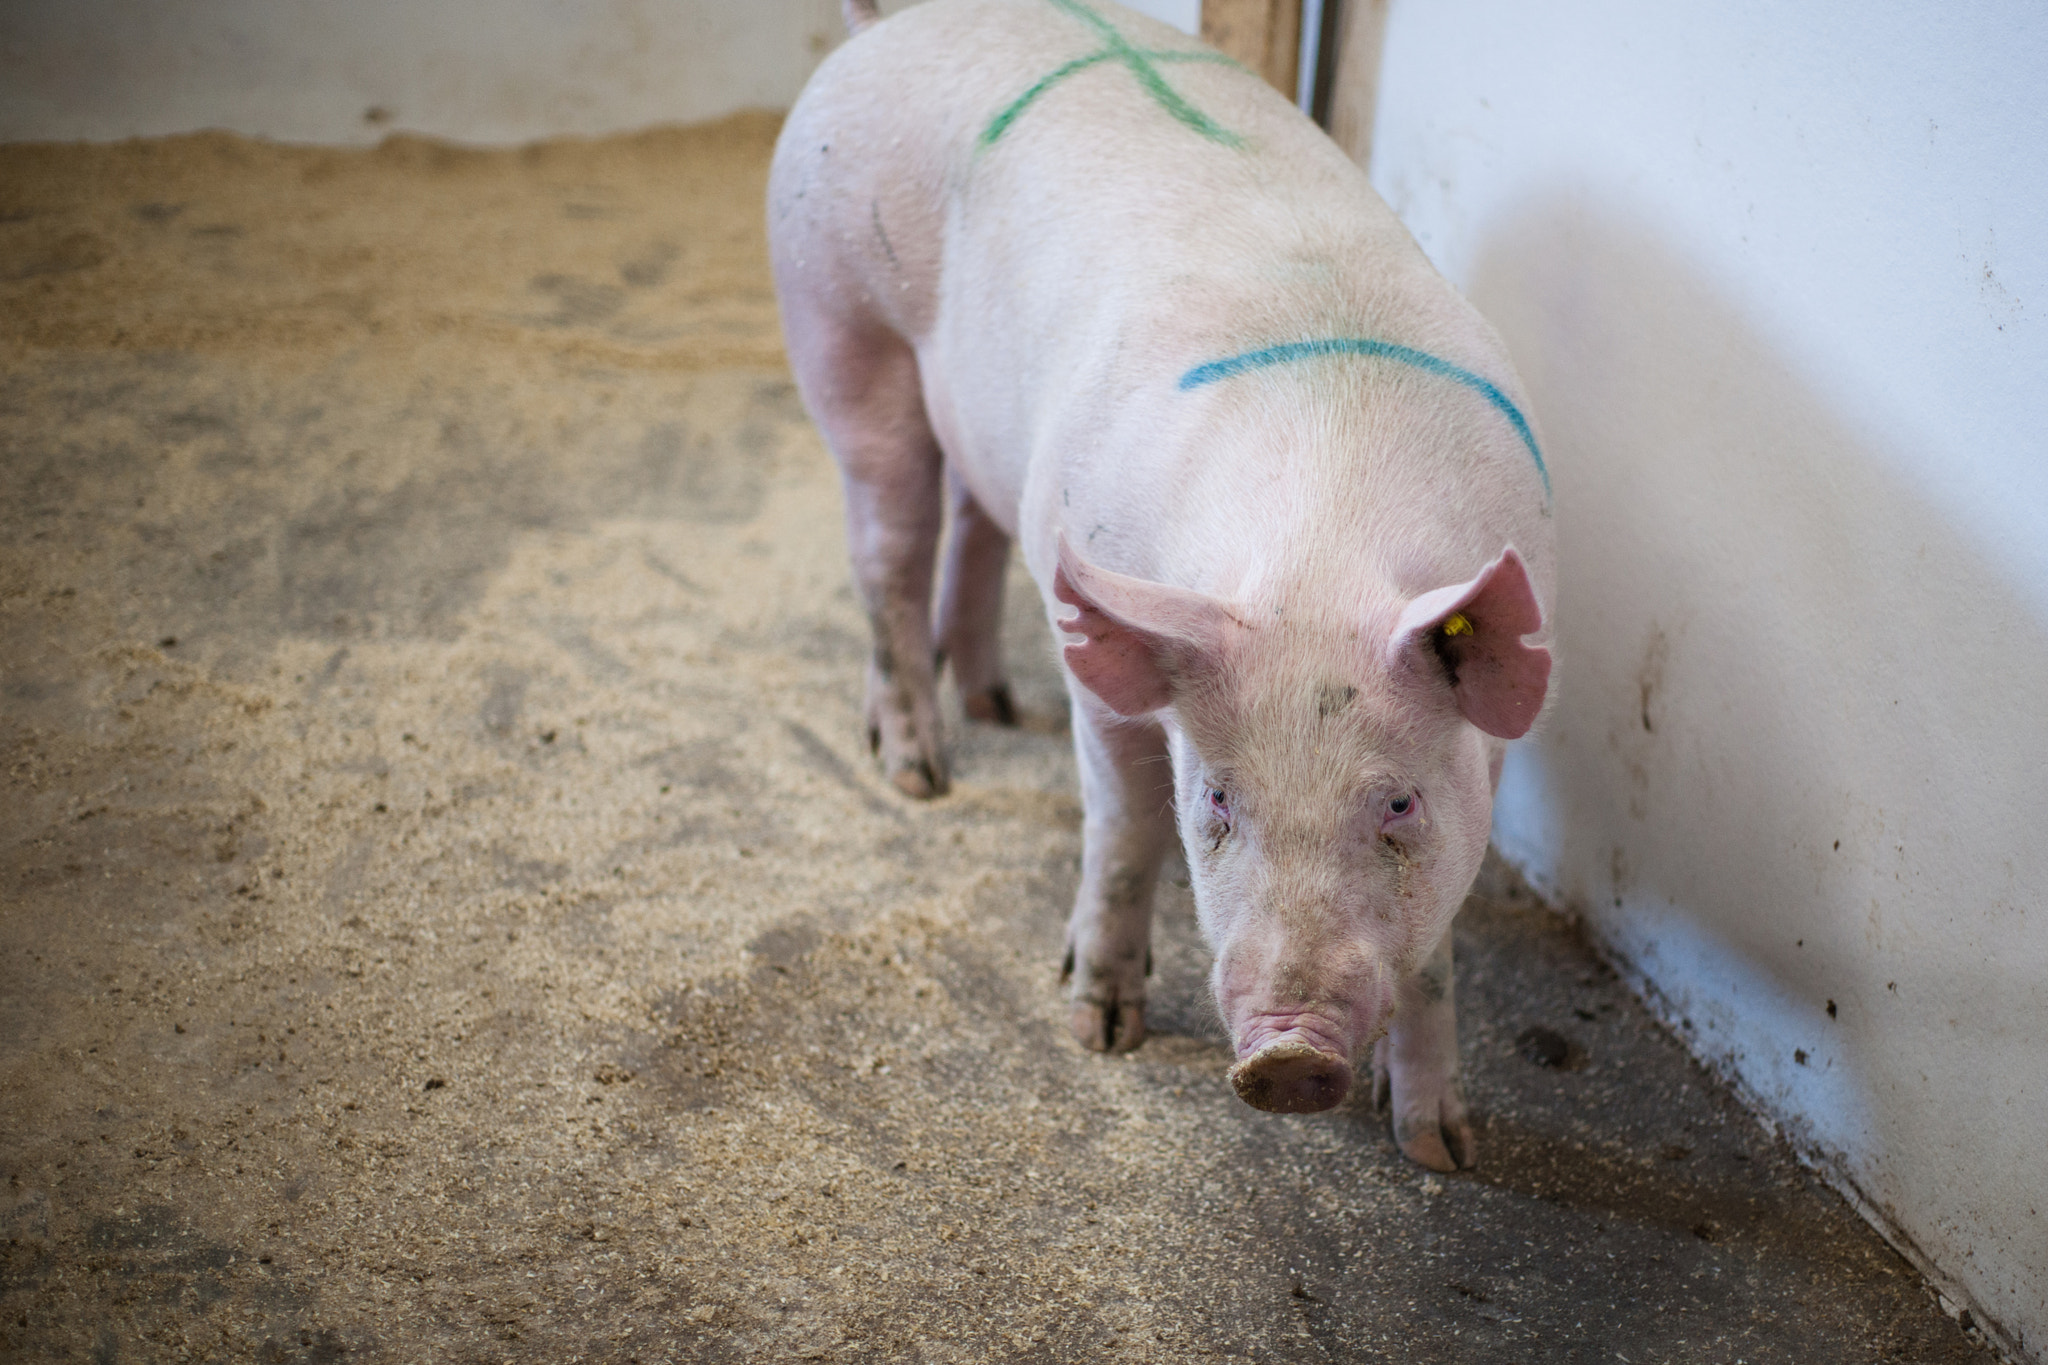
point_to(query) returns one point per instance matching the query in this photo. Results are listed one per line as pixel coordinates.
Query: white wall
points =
(1185, 15)
(350, 71)
(474, 70)
(1777, 277)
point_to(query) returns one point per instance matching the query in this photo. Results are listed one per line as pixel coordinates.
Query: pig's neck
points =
(1325, 500)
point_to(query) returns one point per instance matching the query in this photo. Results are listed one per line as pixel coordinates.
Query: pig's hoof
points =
(903, 735)
(1291, 1078)
(992, 705)
(1100, 1027)
(918, 781)
(1439, 1138)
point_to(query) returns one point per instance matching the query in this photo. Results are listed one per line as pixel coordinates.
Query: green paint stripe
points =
(1148, 76)
(1092, 19)
(1138, 61)
(1170, 99)
(1000, 124)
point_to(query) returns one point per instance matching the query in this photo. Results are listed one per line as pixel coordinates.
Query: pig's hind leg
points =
(971, 608)
(861, 383)
(1416, 1068)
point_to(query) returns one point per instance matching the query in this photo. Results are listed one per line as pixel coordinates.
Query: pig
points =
(1057, 274)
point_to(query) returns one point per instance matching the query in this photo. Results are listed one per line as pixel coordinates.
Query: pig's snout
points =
(1296, 1017)
(1291, 1077)
(1298, 1067)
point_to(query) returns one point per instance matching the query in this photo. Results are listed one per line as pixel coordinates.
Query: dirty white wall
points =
(350, 71)
(1777, 277)
(475, 70)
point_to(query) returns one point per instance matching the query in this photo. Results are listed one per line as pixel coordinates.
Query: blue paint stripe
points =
(1384, 350)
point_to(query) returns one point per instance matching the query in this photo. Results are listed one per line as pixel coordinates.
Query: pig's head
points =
(1333, 788)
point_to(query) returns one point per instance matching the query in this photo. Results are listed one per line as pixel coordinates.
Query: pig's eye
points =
(1219, 815)
(1403, 809)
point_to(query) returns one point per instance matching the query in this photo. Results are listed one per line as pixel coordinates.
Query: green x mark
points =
(1117, 48)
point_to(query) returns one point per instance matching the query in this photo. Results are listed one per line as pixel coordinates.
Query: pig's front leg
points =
(1417, 1065)
(1127, 795)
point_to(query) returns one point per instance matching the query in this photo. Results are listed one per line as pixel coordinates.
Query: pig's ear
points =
(1476, 630)
(1137, 636)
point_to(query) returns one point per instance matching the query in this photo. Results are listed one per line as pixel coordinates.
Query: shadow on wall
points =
(1795, 767)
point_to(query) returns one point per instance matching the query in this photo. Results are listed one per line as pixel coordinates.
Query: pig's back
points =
(997, 136)
(1067, 226)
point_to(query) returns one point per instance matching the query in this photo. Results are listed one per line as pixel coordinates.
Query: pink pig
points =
(1105, 293)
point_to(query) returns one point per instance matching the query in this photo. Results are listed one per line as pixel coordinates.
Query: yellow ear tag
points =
(1457, 623)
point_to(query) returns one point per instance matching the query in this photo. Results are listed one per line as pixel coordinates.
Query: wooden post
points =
(1354, 88)
(1264, 35)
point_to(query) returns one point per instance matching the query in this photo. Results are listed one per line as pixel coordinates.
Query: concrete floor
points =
(449, 913)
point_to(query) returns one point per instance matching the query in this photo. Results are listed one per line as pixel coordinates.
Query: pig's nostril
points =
(1291, 1078)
